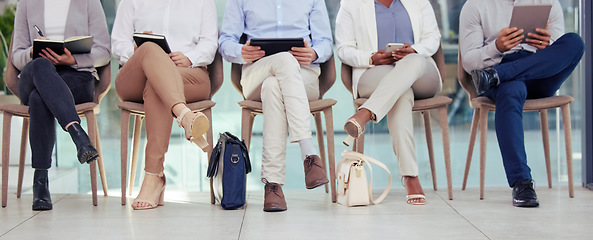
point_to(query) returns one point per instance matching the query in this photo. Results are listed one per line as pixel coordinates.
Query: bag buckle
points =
(234, 158)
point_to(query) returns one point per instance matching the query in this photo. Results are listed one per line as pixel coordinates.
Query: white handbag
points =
(352, 180)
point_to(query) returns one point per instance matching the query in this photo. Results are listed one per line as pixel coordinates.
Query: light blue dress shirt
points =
(393, 24)
(305, 19)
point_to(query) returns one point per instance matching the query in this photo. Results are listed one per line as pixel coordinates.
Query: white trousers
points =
(391, 91)
(284, 87)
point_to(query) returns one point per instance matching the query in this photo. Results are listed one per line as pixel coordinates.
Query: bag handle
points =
(347, 154)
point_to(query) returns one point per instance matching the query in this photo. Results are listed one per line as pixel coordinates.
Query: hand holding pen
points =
(64, 59)
(39, 32)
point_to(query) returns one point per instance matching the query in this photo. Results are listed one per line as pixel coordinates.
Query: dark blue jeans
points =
(51, 92)
(525, 75)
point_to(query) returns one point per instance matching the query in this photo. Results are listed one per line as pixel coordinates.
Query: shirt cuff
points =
(237, 53)
(492, 51)
(28, 57)
(193, 59)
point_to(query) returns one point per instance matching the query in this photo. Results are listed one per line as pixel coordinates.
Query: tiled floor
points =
(310, 215)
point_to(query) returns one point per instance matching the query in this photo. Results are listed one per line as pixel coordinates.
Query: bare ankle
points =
(70, 124)
(363, 115)
(178, 109)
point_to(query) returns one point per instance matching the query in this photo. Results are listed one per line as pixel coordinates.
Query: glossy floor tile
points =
(310, 215)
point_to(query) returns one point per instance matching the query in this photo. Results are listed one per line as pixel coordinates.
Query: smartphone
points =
(390, 47)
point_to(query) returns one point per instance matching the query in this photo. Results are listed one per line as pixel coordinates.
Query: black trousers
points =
(51, 92)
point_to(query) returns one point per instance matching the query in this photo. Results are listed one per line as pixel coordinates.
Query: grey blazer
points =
(85, 17)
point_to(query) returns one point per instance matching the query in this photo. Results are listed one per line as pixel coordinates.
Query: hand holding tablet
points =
(530, 17)
(528, 25)
(257, 48)
(272, 46)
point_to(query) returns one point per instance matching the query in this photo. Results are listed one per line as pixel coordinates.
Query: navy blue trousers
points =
(51, 92)
(526, 75)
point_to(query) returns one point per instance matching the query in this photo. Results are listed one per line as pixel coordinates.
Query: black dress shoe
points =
(524, 194)
(484, 79)
(86, 151)
(41, 196)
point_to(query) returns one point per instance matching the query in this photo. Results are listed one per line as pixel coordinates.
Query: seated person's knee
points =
(285, 59)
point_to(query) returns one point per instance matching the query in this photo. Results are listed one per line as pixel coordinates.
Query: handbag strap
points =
(364, 158)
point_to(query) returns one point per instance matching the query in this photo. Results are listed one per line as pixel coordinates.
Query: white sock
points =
(307, 148)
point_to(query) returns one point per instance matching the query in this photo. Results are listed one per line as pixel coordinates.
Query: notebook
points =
(160, 40)
(76, 45)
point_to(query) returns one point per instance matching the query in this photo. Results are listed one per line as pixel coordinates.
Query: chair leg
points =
(210, 139)
(93, 168)
(446, 148)
(483, 141)
(125, 121)
(91, 122)
(329, 126)
(246, 123)
(319, 133)
(100, 161)
(543, 118)
(250, 128)
(135, 151)
(568, 143)
(24, 140)
(470, 149)
(5, 155)
(428, 133)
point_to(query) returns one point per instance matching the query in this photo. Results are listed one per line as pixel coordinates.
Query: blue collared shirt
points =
(305, 19)
(393, 24)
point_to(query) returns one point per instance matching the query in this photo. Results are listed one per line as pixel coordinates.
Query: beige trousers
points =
(151, 77)
(285, 89)
(391, 91)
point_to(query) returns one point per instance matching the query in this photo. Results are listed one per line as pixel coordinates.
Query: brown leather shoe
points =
(274, 198)
(315, 174)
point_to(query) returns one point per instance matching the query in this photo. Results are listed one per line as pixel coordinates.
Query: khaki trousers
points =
(284, 88)
(391, 91)
(150, 77)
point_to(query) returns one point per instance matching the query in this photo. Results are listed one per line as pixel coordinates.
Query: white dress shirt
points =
(190, 27)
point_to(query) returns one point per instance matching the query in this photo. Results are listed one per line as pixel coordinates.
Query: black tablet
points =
(275, 45)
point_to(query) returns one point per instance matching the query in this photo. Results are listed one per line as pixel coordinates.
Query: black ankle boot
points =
(41, 198)
(86, 151)
(484, 80)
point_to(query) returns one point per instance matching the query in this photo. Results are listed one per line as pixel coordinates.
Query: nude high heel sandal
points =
(152, 203)
(414, 199)
(354, 130)
(199, 127)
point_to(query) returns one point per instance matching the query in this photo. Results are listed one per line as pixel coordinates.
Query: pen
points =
(38, 30)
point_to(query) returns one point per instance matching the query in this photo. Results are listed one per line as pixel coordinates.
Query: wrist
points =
(371, 58)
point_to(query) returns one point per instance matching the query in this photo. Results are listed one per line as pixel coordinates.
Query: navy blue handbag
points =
(228, 167)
